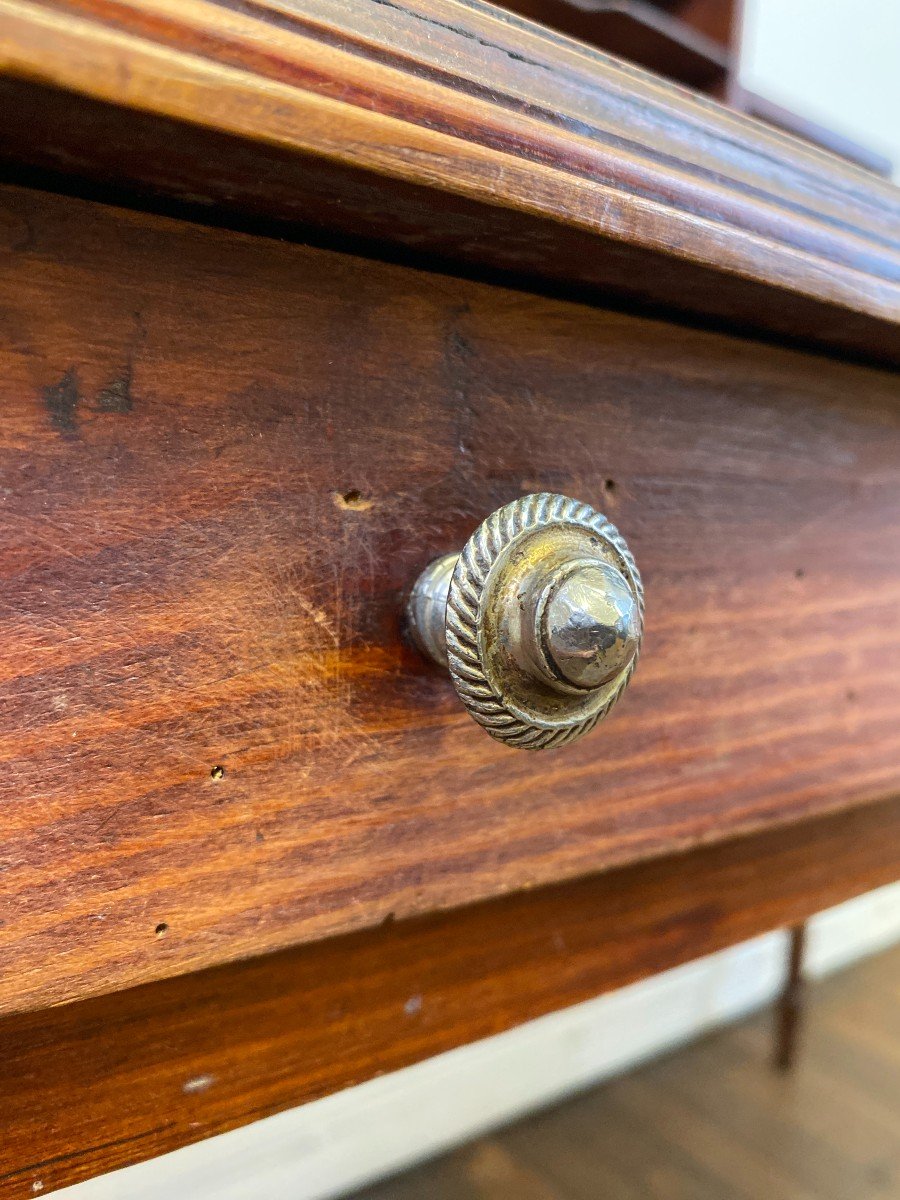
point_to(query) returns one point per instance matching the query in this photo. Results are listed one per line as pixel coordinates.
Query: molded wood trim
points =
(452, 126)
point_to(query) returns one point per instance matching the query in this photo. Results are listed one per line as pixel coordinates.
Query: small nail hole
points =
(609, 485)
(354, 500)
(799, 573)
(218, 772)
(162, 929)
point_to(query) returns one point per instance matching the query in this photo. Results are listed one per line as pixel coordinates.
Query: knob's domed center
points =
(591, 625)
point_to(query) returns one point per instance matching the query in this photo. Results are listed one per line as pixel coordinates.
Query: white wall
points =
(836, 62)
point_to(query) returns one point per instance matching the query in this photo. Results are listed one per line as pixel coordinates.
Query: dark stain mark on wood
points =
(460, 31)
(61, 400)
(116, 396)
(459, 356)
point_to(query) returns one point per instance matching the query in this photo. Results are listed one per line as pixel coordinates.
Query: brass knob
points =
(539, 620)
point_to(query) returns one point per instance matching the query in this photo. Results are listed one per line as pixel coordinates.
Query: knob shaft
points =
(539, 619)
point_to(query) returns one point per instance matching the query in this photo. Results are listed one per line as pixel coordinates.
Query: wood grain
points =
(446, 126)
(696, 44)
(97, 1085)
(224, 460)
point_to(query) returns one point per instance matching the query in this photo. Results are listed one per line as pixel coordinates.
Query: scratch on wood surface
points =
(198, 1083)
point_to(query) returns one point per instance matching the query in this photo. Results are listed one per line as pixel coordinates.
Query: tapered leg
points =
(789, 1009)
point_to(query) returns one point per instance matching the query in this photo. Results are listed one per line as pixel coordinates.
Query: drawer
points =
(225, 459)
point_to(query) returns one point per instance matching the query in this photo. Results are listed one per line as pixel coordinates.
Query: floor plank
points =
(713, 1121)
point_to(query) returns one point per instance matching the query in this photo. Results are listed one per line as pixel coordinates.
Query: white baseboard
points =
(324, 1149)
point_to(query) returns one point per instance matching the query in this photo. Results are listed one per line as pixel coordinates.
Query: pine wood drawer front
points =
(223, 462)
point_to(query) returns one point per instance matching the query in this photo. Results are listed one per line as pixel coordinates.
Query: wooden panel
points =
(224, 460)
(716, 19)
(96, 1085)
(445, 125)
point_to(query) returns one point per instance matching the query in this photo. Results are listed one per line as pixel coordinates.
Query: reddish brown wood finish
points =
(716, 19)
(107, 1082)
(223, 461)
(640, 32)
(451, 127)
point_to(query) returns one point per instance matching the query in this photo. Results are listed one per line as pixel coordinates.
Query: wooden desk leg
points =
(789, 1009)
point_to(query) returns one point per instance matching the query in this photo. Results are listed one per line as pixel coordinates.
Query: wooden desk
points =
(294, 296)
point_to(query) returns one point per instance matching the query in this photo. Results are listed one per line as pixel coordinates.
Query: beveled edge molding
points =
(459, 100)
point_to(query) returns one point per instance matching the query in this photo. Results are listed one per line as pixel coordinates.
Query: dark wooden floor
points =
(714, 1121)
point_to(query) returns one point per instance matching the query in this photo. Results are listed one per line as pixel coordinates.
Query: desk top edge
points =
(466, 115)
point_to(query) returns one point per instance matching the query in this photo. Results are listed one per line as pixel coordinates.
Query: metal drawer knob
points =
(539, 620)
